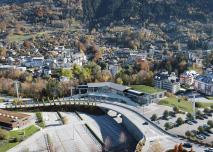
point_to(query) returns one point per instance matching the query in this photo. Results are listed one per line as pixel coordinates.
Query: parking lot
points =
(180, 130)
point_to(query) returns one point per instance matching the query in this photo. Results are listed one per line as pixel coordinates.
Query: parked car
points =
(206, 133)
(205, 116)
(189, 122)
(187, 145)
(201, 137)
(210, 131)
(209, 150)
(194, 121)
(209, 114)
(145, 123)
(200, 117)
(206, 127)
(194, 132)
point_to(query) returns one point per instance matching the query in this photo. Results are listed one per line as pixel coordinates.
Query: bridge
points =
(131, 116)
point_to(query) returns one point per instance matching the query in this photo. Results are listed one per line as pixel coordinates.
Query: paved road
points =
(73, 137)
(151, 132)
(110, 132)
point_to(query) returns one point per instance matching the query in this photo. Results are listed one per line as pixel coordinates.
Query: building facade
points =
(204, 84)
(11, 120)
(168, 82)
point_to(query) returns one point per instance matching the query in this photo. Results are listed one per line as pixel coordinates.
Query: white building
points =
(187, 78)
(204, 84)
(168, 82)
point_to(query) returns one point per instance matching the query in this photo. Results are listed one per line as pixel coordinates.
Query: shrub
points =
(200, 129)
(198, 113)
(13, 140)
(3, 134)
(179, 121)
(188, 134)
(154, 117)
(206, 110)
(167, 125)
(210, 123)
(198, 105)
(165, 114)
(189, 116)
(176, 109)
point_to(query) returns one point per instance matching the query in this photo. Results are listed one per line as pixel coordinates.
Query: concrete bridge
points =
(132, 119)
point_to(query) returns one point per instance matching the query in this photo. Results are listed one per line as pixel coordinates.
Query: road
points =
(73, 137)
(151, 132)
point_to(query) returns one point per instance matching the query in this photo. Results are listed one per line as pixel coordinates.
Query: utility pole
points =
(71, 92)
(193, 106)
(17, 89)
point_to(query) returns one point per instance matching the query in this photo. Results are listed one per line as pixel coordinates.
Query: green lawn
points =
(146, 89)
(18, 134)
(173, 101)
(205, 105)
(209, 97)
(198, 70)
(40, 120)
(19, 38)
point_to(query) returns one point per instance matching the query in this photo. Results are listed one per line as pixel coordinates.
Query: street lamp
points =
(17, 89)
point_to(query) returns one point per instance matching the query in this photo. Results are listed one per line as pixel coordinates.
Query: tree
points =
(179, 121)
(200, 129)
(176, 148)
(3, 52)
(27, 44)
(3, 134)
(119, 81)
(176, 109)
(165, 114)
(53, 88)
(198, 113)
(156, 147)
(188, 134)
(67, 73)
(167, 125)
(180, 147)
(189, 116)
(206, 110)
(210, 123)
(154, 117)
(198, 104)
(212, 107)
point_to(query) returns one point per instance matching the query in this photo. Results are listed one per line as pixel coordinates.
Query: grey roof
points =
(108, 84)
(205, 78)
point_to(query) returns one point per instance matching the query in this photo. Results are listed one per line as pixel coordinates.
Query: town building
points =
(204, 84)
(117, 92)
(11, 120)
(168, 82)
(187, 78)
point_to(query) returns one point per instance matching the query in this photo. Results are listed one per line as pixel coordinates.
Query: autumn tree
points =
(3, 26)
(27, 44)
(40, 11)
(3, 52)
(3, 134)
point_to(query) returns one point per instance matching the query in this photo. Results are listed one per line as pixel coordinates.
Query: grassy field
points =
(19, 38)
(40, 119)
(27, 132)
(173, 101)
(198, 70)
(205, 105)
(145, 89)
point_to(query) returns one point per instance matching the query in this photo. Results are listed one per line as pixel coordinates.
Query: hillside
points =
(105, 12)
(153, 10)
